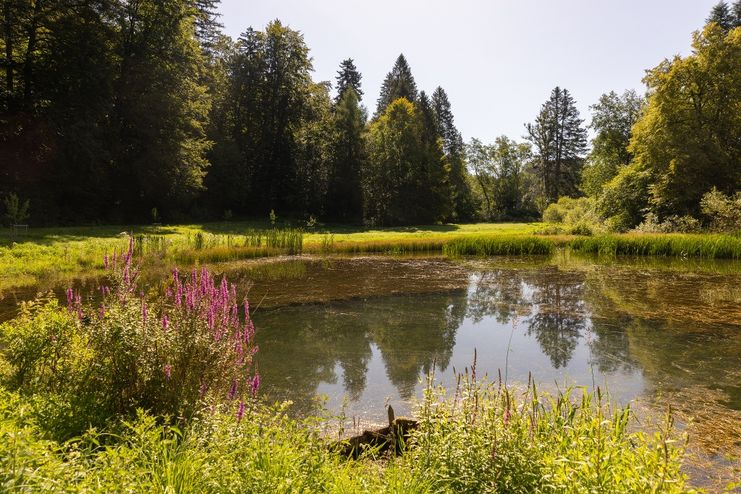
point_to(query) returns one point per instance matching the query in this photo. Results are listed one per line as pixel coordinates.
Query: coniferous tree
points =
(399, 83)
(560, 143)
(737, 13)
(432, 175)
(348, 77)
(721, 14)
(345, 199)
(462, 205)
(273, 98)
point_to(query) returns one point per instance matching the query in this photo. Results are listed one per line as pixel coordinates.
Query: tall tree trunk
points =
(9, 86)
(30, 49)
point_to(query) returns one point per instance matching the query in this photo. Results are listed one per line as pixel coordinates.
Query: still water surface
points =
(363, 332)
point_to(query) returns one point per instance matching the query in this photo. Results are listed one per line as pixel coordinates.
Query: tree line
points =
(662, 156)
(136, 110)
(129, 110)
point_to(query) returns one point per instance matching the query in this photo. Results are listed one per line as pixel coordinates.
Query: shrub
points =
(624, 199)
(578, 215)
(16, 211)
(487, 438)
(672, 224)
(722, 211)
(167, 355)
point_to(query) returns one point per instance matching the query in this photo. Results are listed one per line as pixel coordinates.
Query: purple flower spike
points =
(70, 298)
(240, 411)
(105, 261)
(168, 370)
(255, 384)
(165, 322)
(233, 390)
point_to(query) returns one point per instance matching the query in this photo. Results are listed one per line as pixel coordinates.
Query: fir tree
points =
(344, 198)
(462, 207)
(560, 143)
(399, 83)
(721, 14)
(348, 77)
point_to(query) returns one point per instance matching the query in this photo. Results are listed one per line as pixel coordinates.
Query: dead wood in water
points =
(391, 438)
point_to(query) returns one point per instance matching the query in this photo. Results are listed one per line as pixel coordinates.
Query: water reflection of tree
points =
(417, 333)
(559, 317)
(301, 346)
(497, 293)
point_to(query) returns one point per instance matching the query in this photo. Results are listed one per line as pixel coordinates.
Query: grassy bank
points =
(48, 254)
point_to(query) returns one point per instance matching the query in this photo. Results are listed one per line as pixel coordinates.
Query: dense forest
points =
(143, 110)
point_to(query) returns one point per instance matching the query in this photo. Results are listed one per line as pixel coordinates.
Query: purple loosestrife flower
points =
(506, 417)
(105, 261)
(255, 384)
(165, 322)
(168, 371)
(70, 298)
(233, 390)
(240, 411)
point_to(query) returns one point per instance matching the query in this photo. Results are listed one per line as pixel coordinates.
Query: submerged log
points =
(392, 438)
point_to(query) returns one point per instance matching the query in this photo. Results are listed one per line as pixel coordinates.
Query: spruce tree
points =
(399, 83)
(737, 13)
(560, 142)
(461, 198)
(344, 195)
(721, 14)
(432, 175)
(348, 77)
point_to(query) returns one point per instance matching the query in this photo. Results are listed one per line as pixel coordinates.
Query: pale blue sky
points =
(497, 59)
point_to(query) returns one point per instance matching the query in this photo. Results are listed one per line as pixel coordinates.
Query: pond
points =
(364, 332)
(355, 333)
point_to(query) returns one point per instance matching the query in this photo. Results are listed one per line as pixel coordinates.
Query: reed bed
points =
(499, 245)
(707, 246)
(393, 246)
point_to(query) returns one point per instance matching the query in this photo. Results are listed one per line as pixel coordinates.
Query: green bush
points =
(90, 362)
(722, 211)
(624, 199)
(577, 215)
(672, 224)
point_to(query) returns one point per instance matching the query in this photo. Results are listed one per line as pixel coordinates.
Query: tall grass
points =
(709, 246)
(329, 245)
(484, 438)
(501, 245)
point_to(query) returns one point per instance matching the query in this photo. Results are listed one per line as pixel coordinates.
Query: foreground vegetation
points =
(488, 439)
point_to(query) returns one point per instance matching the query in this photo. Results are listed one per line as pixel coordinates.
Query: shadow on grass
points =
(52, 235)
